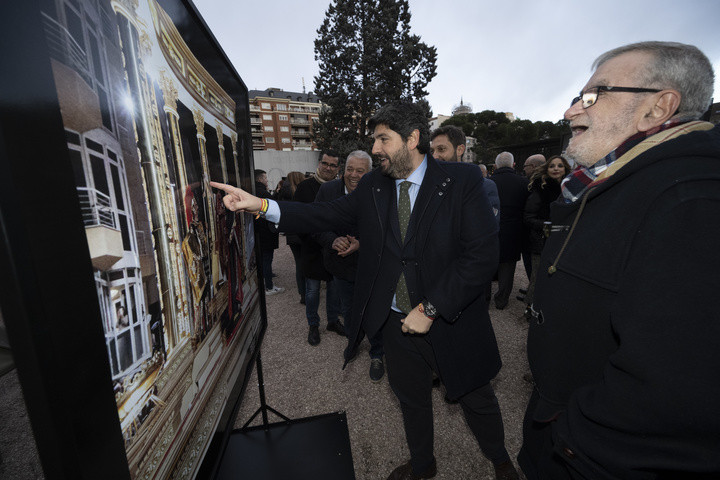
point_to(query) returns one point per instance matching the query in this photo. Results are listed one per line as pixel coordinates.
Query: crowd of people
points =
(618, 237)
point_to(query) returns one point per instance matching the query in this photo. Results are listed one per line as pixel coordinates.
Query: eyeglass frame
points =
(329, 165)
(606, 88)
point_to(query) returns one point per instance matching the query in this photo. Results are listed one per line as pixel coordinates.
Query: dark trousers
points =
(410, 364)
(505, 274)
(299, 278)
(537, 458)
(267, 260)
(346, 291)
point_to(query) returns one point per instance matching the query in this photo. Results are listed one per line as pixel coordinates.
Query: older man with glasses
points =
(623, 343)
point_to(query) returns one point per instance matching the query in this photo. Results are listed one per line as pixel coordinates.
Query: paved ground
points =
(303, 381)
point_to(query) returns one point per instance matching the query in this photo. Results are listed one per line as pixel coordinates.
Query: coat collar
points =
(435, 184)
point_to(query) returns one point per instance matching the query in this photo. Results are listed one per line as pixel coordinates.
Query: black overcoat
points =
(625, 351)
(513, 192)
(449, 255)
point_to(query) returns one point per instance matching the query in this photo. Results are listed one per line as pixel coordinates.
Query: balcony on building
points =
(104, 238)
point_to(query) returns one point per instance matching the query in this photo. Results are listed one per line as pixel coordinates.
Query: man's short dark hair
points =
(330, 153)
(259, 173)
(454, 134)
(402, 118)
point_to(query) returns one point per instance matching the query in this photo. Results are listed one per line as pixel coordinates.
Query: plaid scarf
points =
(577, 183)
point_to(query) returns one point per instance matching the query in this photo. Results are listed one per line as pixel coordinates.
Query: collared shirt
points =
(416, 179)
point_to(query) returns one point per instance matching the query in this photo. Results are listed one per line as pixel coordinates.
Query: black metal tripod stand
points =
(264, 407)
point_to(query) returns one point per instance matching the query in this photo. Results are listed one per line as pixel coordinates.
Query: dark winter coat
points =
(449, 255)
(311, 261)
(626, 349)
(341, 267)
(537, 210)
(512, 190)
(268, 238)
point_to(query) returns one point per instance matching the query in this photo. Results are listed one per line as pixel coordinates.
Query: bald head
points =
(532, 162)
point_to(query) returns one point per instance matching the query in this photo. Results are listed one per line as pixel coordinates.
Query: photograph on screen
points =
(147, 129)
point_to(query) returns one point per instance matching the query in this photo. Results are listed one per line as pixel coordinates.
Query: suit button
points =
(568, 453)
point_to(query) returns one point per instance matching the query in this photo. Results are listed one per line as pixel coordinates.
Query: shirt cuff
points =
(273, 212)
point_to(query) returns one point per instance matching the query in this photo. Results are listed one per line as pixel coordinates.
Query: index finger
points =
(223, 186)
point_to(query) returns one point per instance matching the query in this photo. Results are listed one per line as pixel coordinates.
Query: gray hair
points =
(361, 154)
(674, 65)
(505, 159)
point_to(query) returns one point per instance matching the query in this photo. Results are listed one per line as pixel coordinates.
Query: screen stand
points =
(264, 407)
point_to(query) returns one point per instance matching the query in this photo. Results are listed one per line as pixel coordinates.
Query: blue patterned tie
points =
(402, 297)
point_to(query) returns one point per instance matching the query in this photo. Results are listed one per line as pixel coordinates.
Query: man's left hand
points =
(416, 322)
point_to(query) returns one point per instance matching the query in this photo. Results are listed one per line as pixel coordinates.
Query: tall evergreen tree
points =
(367, 58)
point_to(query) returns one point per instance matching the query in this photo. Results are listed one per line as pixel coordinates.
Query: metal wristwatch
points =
(429, 310)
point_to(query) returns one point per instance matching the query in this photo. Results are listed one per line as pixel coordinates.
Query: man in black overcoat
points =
(434, 316)
(513, 192)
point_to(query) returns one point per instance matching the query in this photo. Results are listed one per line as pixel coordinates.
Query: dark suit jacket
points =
(341, 267)
(450, 254)
(268, 237)
(513, 192)
(311, 259)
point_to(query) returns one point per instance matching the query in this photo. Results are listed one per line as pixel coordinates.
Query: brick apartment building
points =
(282, 120)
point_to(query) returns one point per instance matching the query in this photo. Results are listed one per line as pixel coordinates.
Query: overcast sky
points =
(528, 57)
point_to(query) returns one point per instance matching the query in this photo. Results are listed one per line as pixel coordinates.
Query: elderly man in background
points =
(531, 163)
(513, 192)
(529, 167)
(623, 343)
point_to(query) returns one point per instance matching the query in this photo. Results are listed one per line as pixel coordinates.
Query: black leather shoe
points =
(337, 327)
(405, 472)
(314, 335)
(506, 471)
(377, 369)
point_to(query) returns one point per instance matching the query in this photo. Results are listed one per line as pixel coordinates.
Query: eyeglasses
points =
(589, 97)
(329, 165)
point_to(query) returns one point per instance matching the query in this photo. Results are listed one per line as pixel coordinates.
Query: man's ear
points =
(413, 139)
(666, 105)
(460, 150)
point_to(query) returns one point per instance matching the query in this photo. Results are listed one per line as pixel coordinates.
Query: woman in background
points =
(544, 189)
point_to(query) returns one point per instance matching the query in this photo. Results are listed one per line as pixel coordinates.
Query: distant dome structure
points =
(461, 109)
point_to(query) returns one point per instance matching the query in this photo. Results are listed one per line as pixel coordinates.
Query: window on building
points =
(267, 117)
(285, 140)
(268, 128)
(281, 107)
(283, 118)
(104, 196)
(269, 139)
(265, 106)
(285, 129)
